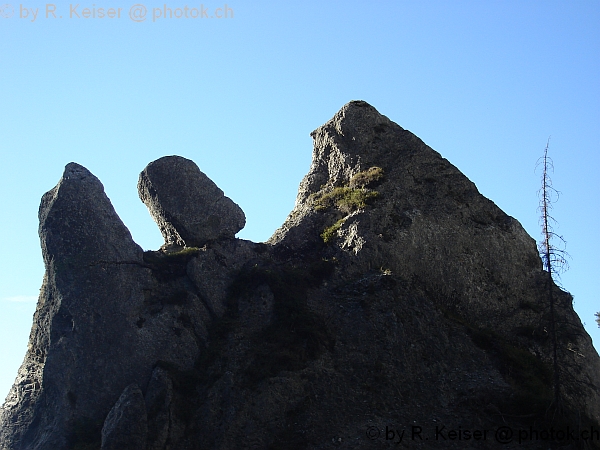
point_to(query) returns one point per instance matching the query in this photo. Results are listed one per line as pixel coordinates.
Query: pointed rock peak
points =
(74, 174)
(79, 223)
(353, 119)
(358, 138)
(188, 207)
(76, 171)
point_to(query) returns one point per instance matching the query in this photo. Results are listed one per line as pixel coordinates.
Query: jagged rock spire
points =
(78, 221)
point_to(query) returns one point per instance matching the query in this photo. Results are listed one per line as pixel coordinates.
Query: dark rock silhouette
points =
(393, 296)
(187, 206)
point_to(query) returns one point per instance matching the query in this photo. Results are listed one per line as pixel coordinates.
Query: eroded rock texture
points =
(393, 295)
(187, 206)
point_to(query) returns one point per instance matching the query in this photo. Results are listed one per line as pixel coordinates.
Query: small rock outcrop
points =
(188, 207)
(394, 299)
(126, 426)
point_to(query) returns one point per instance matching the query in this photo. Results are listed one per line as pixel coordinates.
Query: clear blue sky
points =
(482, 82)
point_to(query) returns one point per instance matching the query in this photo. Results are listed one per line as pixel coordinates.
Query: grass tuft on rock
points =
(363, 179)
(331, 232)
(351, 197)
(345, 198)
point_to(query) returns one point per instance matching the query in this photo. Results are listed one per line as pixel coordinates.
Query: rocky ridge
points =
(394, 295)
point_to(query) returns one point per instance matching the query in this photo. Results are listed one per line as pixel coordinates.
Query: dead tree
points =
(553, 257)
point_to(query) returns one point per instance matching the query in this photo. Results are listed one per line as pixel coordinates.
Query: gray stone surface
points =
(104, 318)
(126, 426)
(83, 319)
(188, 207)
(426, 305)
(430, 225)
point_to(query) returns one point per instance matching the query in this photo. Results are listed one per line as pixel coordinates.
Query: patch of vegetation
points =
(362, 179)
(184, 252)
(330, 232)
(351, 197)
(354, 199)
(345, 198)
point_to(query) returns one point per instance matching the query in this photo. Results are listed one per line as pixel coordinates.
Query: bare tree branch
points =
(553, 257)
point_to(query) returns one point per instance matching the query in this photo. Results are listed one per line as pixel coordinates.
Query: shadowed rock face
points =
(188, 207)
(126, 426)
(393, 294)
(83, 317)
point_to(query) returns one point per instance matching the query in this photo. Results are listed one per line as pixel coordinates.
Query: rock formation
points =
(187, 206)
(395, 302)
